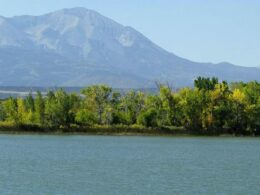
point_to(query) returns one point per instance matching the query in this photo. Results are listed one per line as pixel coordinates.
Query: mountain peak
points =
(80, 11)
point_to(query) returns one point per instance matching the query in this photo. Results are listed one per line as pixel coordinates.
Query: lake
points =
(6, 92)
(36, 164)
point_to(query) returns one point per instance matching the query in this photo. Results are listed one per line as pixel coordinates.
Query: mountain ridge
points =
(78, 46)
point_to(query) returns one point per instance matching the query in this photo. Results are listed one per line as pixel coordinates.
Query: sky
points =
(199, 30)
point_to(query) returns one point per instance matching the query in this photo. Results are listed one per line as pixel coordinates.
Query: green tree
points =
(205, 83)
(58, 109)
(2, 111)
(10, 108)
(169, 106)
(85, 117)
(23, 115)
(238, 119)
(97, 99)
(192, 108)
(29, 103)
(219, 107)
(39, 106)
(132, 104)
(148, 118)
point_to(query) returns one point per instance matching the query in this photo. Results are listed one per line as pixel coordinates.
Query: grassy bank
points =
(109, 130)
(95, 130)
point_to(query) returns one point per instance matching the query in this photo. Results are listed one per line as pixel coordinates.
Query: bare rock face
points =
(78, 47)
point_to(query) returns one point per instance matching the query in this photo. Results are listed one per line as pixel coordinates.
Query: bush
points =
(148, 118)
(85, 117)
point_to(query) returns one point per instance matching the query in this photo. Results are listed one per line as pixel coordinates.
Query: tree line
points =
(210, 107)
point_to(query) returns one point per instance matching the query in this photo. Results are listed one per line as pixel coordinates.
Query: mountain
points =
(78, 47)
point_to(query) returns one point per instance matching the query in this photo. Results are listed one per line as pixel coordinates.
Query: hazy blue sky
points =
(200, 30)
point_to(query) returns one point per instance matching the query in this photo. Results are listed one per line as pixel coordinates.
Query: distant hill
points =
(78, 47)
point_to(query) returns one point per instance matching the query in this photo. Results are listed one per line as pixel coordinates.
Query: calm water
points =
(128, 165)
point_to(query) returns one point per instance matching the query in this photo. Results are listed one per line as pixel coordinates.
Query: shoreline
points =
(117, 132)
(57, 133)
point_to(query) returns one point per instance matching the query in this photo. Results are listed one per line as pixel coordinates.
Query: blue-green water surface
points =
(36, 164)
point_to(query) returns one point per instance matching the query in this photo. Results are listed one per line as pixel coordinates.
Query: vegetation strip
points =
(210, 108)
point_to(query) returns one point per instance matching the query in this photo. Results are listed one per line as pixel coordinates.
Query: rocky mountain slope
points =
(78, 47)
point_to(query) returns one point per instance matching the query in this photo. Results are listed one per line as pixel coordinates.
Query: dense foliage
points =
(211, 107)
